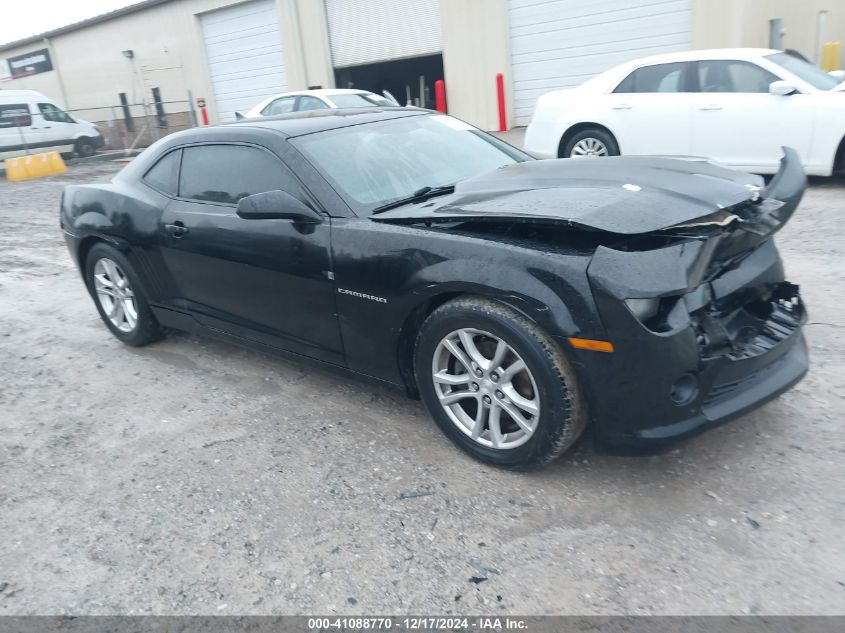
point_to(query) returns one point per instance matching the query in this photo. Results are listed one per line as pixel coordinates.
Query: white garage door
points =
(562, 43)
(244, 49)
(366, 31)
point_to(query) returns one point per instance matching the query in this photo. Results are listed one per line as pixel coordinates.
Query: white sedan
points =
(321, 99)
(736, 106)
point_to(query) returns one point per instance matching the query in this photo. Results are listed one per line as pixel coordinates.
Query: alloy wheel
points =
(588, 147)
(115, 295)
(486, 388)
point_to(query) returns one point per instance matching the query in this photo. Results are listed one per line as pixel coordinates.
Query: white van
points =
(30, 123)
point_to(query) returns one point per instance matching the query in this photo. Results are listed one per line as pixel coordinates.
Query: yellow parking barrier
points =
(830, 56)
(34, 166)
(57, 163)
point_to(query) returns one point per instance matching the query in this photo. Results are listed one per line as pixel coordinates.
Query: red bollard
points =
(500, 94)
(203, 112)
(440, 95)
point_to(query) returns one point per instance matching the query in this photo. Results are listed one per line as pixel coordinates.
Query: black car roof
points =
(287, 126)
(298, 123)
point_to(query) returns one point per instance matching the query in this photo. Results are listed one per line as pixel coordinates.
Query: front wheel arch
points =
(839, 158)
(413, 322)
(581, 127)
(84, 146)
(547, 362)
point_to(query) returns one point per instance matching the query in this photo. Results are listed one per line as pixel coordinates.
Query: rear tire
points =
(592, 142)
(519, 406)
(116, 289)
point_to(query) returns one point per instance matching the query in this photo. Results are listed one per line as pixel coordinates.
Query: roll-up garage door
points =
(244, 49)
(562, 43)
(367, 31)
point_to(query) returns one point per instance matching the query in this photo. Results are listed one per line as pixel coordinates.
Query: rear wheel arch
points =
(85, 247)
(87, 243)
(581, 127)
(127, 304)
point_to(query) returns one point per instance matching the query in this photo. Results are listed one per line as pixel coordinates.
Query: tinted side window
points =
(15, 115)
(310, 103)
(279, 106)
(733, 76)
(164, 175)
(657, 78)
(227, 173)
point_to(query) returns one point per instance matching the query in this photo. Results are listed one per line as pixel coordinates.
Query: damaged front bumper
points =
(725, 338)
(672, 384)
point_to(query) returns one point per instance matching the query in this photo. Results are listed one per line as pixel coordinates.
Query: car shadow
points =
(725, 444)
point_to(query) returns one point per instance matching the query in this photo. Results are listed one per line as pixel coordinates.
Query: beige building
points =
(144, 67)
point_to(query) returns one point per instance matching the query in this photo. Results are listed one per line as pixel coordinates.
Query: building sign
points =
(29, 63)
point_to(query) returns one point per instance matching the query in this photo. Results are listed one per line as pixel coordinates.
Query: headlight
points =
(643, 309)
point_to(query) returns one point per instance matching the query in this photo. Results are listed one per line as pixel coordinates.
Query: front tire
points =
(497, 385)
(116, 290)
(590, 143)
(84, 147)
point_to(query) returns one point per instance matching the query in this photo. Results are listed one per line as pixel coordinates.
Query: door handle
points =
(711, 106)
(177, 229)
(622, 106)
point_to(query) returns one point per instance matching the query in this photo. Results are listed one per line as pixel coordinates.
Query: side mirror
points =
(838, 75)
(782, 88)
(276, 205)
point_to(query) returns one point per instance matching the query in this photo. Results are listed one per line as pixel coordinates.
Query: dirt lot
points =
(194, 477)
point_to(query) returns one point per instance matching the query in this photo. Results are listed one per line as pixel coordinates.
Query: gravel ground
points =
(191, 477)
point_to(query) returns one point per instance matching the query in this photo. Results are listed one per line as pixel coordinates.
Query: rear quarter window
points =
(15, 115)
(164, 175)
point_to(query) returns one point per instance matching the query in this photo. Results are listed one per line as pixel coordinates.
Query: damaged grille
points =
(755, 328)
(776, 320)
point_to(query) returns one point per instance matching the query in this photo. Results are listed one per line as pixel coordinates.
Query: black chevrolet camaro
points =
(523, 300)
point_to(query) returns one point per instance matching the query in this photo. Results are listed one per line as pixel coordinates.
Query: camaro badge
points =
(362, 295)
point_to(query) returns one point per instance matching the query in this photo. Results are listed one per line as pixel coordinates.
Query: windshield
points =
(377, 163)
(358, 100)
(810, 73)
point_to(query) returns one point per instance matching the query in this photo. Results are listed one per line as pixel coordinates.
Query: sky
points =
(22, 19)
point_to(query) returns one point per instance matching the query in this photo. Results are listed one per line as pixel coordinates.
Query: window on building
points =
(164, 175)
(311, 103)
(657, 78)
(720, 75)
(208, 173)
(15, 115)
(279, 106)
(52, 113)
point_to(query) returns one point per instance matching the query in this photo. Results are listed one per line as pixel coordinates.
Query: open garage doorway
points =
(400, 77)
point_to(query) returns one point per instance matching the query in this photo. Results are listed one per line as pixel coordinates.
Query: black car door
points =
(264, 280)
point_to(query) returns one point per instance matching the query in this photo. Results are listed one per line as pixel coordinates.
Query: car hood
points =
(623, 194)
